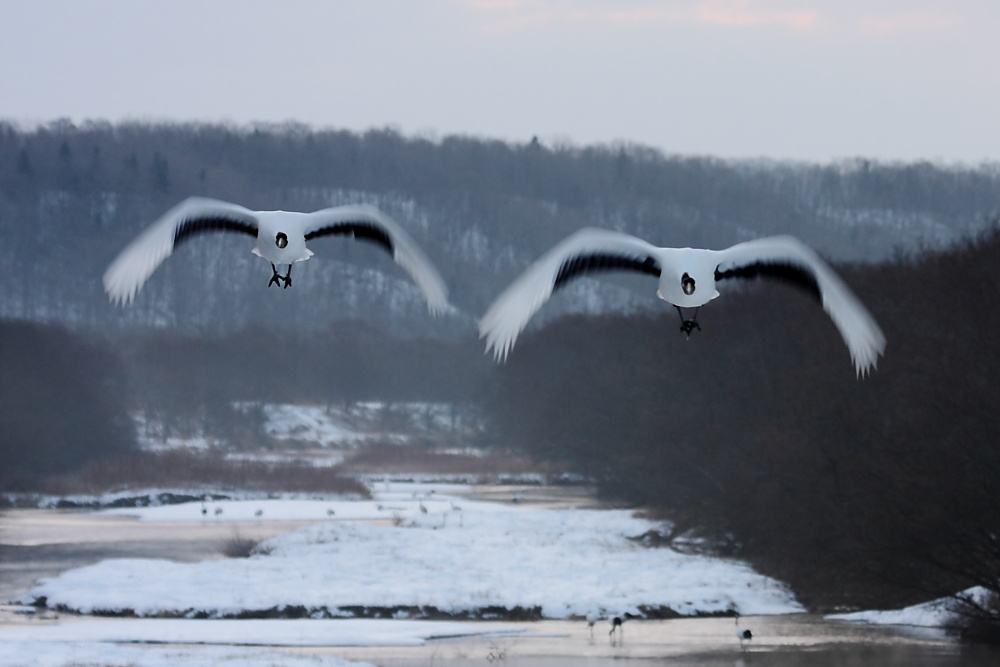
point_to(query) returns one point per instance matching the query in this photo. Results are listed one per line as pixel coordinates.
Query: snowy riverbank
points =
(418, 554)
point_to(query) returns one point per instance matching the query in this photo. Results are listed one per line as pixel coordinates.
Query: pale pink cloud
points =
(910, 23)
(490, 5)
(507, 15)
(744, 13)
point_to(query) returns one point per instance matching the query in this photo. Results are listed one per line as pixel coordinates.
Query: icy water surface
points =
(781, 641)
(45, 542)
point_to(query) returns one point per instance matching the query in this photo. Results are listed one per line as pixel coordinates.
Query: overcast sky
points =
(800, 79)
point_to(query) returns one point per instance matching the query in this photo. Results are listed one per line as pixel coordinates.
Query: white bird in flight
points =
(281, 239)
(688, 278)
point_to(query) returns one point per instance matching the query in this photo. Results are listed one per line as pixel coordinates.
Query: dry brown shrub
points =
(189, 470)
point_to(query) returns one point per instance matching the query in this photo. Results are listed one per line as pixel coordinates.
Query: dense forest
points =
(754, 434)
(62, 402)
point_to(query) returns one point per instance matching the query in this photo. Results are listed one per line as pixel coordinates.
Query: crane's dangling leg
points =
(617, 630)
(276, 278)
(687, 326)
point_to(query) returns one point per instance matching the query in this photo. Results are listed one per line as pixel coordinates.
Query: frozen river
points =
(44, 543)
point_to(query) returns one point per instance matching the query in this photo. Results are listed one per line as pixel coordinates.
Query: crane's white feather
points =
(861, 334)
(511, 311)
(136, 263)
(405, 250)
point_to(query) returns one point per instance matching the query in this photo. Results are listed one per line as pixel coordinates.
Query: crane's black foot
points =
(687, 326)
(277, 279)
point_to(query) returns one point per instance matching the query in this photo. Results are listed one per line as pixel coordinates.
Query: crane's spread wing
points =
(787, 258)
(370, 224)
(196, 215)
(586, 251)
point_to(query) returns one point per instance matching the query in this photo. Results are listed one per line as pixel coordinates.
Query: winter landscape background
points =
(753, 442)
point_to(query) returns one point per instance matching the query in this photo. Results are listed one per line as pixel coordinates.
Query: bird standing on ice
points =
(281, 239)
(742, 634)
(591, 620)
(688, 278)
(617, 627)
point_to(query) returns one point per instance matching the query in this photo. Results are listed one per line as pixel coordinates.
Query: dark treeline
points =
(69, 398)
(755, 432)
(191, 384)
(71, 196)
(62, 402)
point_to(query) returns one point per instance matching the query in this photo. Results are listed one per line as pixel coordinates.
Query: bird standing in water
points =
(617, 629)
(591, 620)
(743, 634)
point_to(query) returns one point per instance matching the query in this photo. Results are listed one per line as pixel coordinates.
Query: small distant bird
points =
(592, 618)
(421, 498)
(688, 278)
(259, 513)
(331, 512)
(617, 628)
(218, 511)
(281, 238)
(743, 634)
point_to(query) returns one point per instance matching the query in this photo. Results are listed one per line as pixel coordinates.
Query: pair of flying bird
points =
(687, 277)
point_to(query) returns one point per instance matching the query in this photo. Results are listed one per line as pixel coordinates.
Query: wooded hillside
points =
(757, 434)
(71, 197)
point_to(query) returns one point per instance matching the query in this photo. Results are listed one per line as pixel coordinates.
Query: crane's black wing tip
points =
(595, 262)
(787, 272)
(195, 225)
(361, 230)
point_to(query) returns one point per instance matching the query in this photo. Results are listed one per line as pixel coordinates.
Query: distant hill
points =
(72, 196)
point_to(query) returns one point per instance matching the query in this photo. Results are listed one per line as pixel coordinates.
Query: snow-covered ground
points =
(317, 424)
(933, 614)
(323, 435)
(429, 552)
(352, 425)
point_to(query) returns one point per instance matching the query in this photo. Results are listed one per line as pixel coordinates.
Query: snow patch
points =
(933, 614)
(421, 549)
